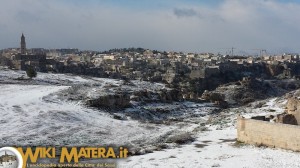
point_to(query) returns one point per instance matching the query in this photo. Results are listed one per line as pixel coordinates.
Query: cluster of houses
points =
(135, 64)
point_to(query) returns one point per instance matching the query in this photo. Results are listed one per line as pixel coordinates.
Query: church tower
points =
(23, 44)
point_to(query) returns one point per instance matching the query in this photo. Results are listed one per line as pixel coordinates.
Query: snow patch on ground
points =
(215, 148)
(218, 147)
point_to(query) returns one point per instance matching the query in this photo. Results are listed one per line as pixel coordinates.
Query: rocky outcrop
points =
(205, 95)
(122, 100)
(241, 92)
(118, 100)
(283, 118)
(286, 119)
(214, 97)
(292, 104)
(166, 96)
(293, 107)
(274, 70)
(163, 96)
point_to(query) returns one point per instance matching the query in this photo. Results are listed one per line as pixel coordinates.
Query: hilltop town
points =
(191, 73)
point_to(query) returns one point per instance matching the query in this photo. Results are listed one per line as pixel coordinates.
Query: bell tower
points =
(23, 44)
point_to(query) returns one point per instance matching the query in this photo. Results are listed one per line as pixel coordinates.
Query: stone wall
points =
(270, 134)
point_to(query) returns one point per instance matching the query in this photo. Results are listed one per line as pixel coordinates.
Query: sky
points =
(165, 25)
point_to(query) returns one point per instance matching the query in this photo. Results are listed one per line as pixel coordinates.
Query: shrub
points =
(31, 73)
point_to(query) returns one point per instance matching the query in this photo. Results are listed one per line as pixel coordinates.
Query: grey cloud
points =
(242, 24)
(27, 17)
(185, 12)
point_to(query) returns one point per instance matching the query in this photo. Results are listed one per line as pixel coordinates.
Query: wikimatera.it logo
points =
(67, 156)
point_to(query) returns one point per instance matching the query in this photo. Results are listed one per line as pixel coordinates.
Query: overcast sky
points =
(180, 25)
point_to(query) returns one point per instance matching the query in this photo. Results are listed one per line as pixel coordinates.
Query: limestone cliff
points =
(119, 100)
(293, 107)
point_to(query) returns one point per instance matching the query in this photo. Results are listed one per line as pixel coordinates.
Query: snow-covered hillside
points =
(35, 115)
(32, 113)
(27, 119)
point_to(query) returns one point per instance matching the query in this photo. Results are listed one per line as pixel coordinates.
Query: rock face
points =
(283, 118)
(119, 100)
(286, 119)
(116, 94)
(163, 96)
(170, 95)
(293, 107)
(242, 92)
(214, 97)
(274, 70)
(116, 97)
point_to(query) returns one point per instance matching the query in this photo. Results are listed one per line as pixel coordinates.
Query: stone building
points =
(23, 44)
(198, 72)
(23, 60)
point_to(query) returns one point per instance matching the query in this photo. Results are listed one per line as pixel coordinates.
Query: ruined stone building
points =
(281, 131)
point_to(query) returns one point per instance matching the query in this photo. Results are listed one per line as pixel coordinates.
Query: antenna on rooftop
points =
(261, 51)
(232, 49)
